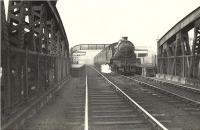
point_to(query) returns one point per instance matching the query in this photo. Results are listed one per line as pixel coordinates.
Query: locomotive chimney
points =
(124, 38)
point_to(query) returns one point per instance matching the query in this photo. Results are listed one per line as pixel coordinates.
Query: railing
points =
(180, 66)
(28, 75)
(34, 54)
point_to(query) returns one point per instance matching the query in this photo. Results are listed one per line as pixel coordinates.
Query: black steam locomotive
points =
(120, 56)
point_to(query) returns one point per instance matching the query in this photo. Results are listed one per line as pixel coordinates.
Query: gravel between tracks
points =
(174, 114)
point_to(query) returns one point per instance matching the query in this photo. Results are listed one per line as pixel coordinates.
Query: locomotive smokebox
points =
(124, 48)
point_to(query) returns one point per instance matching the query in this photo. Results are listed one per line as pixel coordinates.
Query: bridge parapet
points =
(35, 56)
(178, 55)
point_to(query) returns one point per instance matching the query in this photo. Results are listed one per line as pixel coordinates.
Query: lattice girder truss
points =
(33, 27)
(179, 56)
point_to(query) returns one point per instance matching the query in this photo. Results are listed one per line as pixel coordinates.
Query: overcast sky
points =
(106, 21)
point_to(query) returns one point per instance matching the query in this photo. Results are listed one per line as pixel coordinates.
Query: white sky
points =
(106, 21)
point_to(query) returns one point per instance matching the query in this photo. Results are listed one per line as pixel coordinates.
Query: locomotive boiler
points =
(120, 56)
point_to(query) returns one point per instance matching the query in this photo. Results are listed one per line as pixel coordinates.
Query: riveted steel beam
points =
(195, 65)
(177, 55)
(31, 65)
(189, 19)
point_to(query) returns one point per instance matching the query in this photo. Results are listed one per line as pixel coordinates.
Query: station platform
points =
(77, 70)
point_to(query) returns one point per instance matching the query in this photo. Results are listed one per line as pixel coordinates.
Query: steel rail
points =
(166, 91)
(177, 85)
(146, 114)
(86, 104)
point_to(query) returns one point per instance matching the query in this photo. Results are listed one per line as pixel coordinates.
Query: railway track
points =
(109, 107)
(187, 94)
(178, 85)
(172, 111)
(110, 101)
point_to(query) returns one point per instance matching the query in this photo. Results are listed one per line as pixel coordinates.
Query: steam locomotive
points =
(120, 56)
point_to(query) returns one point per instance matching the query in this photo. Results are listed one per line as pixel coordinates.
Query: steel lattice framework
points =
(177, 55)
(35, 53)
